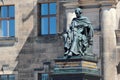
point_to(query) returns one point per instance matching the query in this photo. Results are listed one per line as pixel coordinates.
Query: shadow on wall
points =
(36, 50)
(25, 18)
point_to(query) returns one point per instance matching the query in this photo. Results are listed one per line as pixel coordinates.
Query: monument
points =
(78, 63)
(78, 37)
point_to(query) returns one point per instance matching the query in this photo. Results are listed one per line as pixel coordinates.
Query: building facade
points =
(31, 35)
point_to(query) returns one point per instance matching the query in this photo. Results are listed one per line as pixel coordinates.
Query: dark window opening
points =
(43, 76)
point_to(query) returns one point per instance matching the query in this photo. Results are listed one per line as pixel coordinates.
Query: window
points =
(43, 76)
(7, 77)
(47, 17)
(7, 21)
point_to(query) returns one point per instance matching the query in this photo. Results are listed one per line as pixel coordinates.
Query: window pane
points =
(4, 27)
(11, 77)
(3, 11)
(44, 76)
(4, 77)
(44, 26)
(52, 25)
(12, 28)
(11, 11)
(44, 9)
(52, 8)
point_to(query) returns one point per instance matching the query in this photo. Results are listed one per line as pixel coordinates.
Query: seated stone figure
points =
(79, 35)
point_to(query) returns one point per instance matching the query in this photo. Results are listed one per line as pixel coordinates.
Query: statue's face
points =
(78, 13)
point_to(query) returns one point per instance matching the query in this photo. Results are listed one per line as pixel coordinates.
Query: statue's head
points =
(78, 12)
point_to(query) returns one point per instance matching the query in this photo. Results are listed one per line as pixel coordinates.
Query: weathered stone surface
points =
(30, 50)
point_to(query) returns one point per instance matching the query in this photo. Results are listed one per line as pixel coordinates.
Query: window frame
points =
(39, 17)
(8, 76)
(8, 18)
(40, 76)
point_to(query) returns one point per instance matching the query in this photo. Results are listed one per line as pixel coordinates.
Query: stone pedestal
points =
(76, 68)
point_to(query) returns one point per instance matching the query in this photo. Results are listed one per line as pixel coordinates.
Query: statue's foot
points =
(77, 54)
(66, 53)
(69, 54)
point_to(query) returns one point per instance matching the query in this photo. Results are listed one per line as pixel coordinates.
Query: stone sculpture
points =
(79, 35)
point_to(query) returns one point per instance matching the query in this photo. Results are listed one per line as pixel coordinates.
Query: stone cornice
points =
(96, 1)
(90, 3)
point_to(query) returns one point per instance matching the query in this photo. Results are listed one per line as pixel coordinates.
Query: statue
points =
(79, 35)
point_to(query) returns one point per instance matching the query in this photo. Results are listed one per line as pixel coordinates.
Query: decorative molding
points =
(90, 3)
(7, 41)
(96, 2)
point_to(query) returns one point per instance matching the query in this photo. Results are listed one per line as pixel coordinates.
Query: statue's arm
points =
(72, 24)
(90, 27)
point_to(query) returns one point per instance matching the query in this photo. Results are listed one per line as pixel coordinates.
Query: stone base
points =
(75, 77)
(74, 58)
(77, 68)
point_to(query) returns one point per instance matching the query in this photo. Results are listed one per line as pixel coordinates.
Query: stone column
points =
(70, 16)
(70, 12)
(108, 30)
